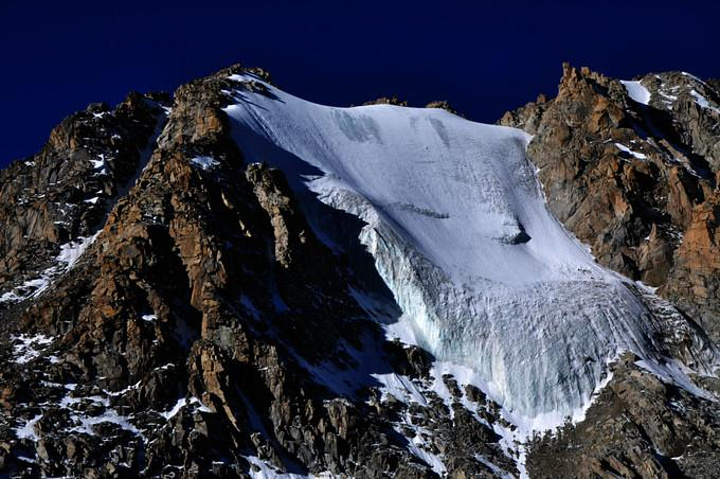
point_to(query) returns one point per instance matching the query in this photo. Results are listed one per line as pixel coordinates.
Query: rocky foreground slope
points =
(169, 306)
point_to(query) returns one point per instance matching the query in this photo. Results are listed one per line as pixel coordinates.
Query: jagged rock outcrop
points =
(637, 427)
(631, 168)
(637, 182)
(387, 100)
(65, 191)
(444, 105)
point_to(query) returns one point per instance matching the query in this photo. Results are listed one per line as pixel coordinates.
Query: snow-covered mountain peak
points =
(459, 230)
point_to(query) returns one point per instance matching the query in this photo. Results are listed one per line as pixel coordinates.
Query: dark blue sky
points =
(484, 57)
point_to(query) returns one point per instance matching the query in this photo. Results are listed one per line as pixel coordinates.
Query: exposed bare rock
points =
(444, 105)
(638, 183)
(633, 180)
(387, 100)
(694, 283)
(64, 192)
(527, 117)
(637, 427)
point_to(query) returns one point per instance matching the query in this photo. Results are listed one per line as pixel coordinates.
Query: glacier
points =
(456, 222)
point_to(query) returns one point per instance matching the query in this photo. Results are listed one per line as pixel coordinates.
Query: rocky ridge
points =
(637, 182)
(631, 168)
(65, 191)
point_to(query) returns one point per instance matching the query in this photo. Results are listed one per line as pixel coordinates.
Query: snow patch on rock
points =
(183, 402)
(625, 149)
(205, 163)
(261, 470)
(637, 91)
(69, 255)
(703, 102)
(27, 430)
(28, 347)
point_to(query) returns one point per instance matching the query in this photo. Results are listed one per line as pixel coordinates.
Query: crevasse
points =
(460, 233)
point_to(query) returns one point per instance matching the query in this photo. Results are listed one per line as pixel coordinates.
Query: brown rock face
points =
(694, 282)
(637, 427)
(632, 180)
(64, 191)
(639, 184)
(387, 100)
(444, 105)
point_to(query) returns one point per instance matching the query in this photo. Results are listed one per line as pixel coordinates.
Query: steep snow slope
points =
(637, 91)
(460, 233)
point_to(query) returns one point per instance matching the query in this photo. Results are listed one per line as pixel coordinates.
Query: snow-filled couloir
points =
(460, 233)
